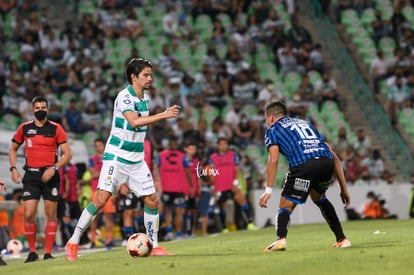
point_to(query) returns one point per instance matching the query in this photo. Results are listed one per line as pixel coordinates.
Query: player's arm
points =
(15, 174)
(135, 121)
(271, 173)
(66, 155)
(340, 176)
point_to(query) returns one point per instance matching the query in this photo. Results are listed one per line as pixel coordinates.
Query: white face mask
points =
(370, 200)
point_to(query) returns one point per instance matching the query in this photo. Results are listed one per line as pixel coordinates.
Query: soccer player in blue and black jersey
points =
(312, 166)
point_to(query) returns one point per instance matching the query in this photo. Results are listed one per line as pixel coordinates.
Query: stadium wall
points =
(397, 198)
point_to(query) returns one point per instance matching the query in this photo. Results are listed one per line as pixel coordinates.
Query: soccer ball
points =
(139, 245)
(14, 246)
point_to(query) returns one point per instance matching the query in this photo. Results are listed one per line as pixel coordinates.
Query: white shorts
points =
(137, 176)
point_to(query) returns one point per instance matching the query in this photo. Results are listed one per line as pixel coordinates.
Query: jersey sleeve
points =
(270, 137)
(125, 102)
(18, 137)
(60, 135)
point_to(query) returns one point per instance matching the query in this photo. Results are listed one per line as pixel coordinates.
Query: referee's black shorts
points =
(34, 188)
(315, 174)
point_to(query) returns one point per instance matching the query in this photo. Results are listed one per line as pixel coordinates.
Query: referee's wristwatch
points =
(11, 168)
(55, 167)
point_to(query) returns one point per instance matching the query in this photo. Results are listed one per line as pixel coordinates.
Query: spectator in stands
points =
(269, 93)
(210, 89)
(261, 9)
(242, 40)
(354, 170)
(163, 61)
(298, 34)
(342, 146)
(234, 61)
(244, 132)
(11, 100)
(72, 119)
(170, 21)
(13, 73)
(398, 93)
(379, 69)
(60, 80)
(375, 166)
(272, 25)
(233, 114)
(218, 130)
(254, 30)
(398, 23)
(190, 90)
(326, 90)
(402, 61)
(92, 117)
(133, 26)
(89, 94)
(362, 146)
(245, 90)
(305, 90)
(317, 58)
(219, 36)
(380, 27)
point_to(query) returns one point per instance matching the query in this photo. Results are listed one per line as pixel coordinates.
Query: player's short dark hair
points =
(39, 99)
(135, 66)
(276, 108)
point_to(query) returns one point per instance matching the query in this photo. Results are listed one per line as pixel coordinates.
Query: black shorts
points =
(34, 188)
(175, 199)
(192, 203)
(128, 201)
(315, 174)
(68, 209)
(225, 196)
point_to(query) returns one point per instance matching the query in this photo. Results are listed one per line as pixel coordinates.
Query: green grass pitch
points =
(378, 247)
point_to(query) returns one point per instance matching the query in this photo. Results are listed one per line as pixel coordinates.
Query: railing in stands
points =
(390, 140)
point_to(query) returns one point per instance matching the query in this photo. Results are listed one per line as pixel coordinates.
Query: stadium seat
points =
(349, 16)
(387, 44)
(367, 16)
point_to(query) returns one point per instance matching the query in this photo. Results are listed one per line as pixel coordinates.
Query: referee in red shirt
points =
(41, 139)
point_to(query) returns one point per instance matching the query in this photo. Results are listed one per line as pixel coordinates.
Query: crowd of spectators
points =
(223, 96)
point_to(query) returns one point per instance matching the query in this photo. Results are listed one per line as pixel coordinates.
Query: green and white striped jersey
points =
(126, 144)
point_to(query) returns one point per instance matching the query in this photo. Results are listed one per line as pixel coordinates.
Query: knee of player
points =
(151, 201)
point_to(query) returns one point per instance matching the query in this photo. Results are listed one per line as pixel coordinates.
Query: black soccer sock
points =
(223, 219)
(282, 222)
(246, 213)
(329, 213)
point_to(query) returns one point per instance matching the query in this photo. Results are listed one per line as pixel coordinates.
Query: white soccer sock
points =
(85, 220)
(151, 222)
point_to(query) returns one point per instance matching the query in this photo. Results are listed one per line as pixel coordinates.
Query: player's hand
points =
(16, 178)
(172, 111)
(263, 200)
(346, 199)
(48, 174)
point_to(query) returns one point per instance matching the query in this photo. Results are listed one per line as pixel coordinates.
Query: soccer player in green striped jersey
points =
(123, 160)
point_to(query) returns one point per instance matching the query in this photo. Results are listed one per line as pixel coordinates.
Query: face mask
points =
(40, 115)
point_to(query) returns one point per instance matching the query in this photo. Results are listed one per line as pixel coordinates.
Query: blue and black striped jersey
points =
(298, 140)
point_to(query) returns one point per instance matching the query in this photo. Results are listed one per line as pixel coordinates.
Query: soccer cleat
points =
(343, 243)
(2, 262)
(71, 252)
(32, 257)
(160, 251)
(48, 256)
(279, 245)
(251, 226)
